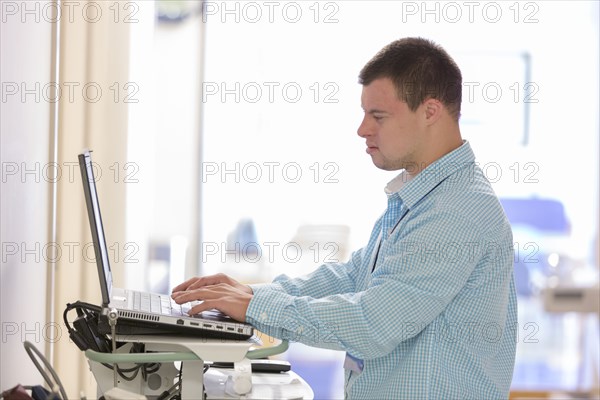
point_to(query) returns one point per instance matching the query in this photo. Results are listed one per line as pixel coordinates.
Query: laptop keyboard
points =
(157, 304)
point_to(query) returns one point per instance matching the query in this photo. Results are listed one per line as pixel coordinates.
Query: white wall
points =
(25, 53)
(93, 52)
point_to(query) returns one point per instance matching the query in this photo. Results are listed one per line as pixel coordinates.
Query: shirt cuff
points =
(258, 286)
(267, 306)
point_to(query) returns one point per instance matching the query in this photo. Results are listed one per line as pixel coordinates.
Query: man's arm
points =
(410, 287)
(232, 298)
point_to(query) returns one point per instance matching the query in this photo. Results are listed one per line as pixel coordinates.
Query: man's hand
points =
(216, 291)
(195, 283)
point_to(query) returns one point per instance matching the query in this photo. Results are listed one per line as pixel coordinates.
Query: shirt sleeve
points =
(408, 284)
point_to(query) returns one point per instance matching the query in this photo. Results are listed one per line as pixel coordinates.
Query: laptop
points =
(142, 313)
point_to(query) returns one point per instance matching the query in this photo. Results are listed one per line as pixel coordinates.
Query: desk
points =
(288, 385)
(192, 352)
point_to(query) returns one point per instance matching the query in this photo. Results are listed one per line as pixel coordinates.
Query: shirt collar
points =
(397, 183)
(413, 189)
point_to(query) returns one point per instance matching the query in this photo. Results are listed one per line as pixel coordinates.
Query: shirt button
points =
(263, 316)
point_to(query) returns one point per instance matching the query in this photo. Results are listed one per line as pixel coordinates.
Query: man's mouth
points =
(371, 148)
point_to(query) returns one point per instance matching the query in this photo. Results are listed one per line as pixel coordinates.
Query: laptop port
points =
(194, 324)
(207, 325)
(230, 328)
(219, 326)
(180, 322)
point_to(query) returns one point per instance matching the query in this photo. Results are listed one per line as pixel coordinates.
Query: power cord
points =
(85, 334)
(55, 384)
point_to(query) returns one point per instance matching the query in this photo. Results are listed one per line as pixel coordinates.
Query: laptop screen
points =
(93, 209)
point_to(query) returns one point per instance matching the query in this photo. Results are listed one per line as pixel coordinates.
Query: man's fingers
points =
(223, 297)
(199, 294)
(187, 296)
(205, 305)
(185, 285)
(202, 293)
(178, 297)
(203, 282)
(194, 283)
(198, 282)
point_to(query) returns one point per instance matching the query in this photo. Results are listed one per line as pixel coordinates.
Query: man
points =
(427, 309)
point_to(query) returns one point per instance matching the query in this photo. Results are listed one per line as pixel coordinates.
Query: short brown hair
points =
(419, 69)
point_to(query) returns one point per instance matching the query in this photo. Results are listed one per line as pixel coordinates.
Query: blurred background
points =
(224, 136)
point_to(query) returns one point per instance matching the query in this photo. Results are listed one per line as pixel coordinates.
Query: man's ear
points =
(433, 110)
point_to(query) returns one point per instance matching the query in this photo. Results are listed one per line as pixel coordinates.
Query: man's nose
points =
(364, 129)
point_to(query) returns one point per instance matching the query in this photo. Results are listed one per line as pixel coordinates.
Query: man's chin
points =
(383, 165)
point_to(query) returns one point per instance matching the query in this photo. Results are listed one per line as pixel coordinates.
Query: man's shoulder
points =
(474, 200)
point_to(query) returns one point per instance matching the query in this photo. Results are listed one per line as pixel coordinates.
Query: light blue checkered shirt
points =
(436, 316)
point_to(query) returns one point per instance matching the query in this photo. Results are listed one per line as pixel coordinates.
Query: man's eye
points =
(377, 117)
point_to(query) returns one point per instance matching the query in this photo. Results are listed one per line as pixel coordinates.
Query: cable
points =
(30, 349)
(85, 333)
(79, 305)
(170, 392)
(87, 336)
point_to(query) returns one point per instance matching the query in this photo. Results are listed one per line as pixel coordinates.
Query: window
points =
(283, 173)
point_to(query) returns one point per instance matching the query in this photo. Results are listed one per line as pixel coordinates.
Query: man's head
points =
(419, 69)
(411, 99)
